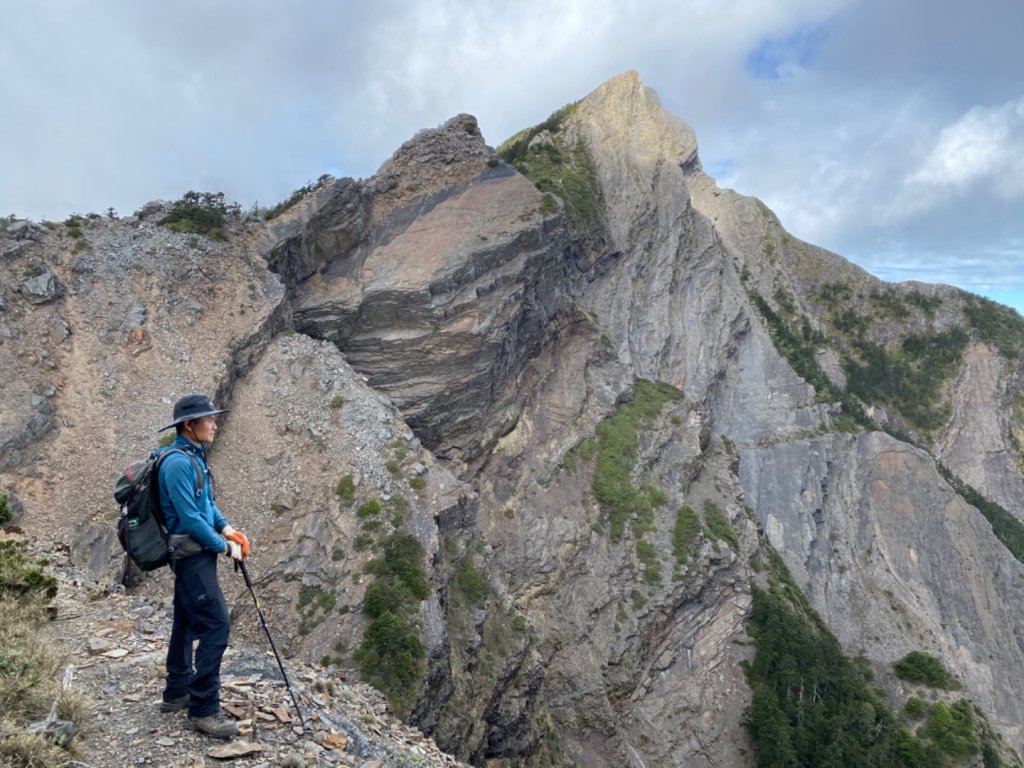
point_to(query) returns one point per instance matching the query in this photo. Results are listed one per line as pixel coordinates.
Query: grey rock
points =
(42, 289)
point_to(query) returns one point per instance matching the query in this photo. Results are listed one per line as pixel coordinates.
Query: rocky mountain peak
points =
(432, 160)
(595, 400)
(625, 117)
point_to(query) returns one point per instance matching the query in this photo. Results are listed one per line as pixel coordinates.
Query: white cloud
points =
(870, 140)
(985, 145)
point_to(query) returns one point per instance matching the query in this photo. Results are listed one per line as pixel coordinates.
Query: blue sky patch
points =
(774, 55)
(721, 169)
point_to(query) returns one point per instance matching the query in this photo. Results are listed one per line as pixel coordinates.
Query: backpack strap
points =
(200, 476)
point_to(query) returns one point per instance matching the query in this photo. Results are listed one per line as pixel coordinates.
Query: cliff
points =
(598, 391)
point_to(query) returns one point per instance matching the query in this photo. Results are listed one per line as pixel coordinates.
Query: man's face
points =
(205, 429)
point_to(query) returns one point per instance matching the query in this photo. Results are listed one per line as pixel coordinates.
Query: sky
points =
(888, 131)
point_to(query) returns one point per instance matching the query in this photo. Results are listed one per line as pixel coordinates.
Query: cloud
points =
(986, 145)
(886, 132)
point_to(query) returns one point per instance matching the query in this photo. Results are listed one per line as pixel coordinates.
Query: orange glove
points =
(239, 538)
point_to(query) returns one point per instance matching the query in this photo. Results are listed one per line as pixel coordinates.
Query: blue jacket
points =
(184, 513)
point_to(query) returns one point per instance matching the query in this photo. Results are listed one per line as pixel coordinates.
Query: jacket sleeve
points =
(219, 521)
(179, 479)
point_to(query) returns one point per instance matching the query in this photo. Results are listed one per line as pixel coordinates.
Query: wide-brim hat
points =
(192, 407)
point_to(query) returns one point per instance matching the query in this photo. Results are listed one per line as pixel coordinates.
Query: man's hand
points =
(234, 550)
(239, 538)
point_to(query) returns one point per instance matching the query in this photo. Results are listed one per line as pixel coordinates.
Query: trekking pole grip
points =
(240, 564)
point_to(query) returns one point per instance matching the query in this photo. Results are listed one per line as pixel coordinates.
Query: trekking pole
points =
(263, 621)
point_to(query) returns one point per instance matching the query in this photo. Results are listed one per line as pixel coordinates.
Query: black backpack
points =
(141, 527)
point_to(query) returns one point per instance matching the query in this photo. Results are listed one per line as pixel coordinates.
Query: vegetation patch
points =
(952, 728)
(346, 490)
(367, 509)
(800, 350)
(201, 213)
(617, 455)
(996, 324)
(813, 705)
(909, 378)
(558, 167)
(1007, 528)
(314, 605)
(921, 667)
(6, 515)
(684, 534)
(718, 524)
(30, 669)
(914, 708)
(645, 554)
(588, 448)
(22, 577)
(472, 584)
(391, 656)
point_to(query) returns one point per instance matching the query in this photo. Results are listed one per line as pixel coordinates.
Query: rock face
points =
(443, 288)
(449, 343)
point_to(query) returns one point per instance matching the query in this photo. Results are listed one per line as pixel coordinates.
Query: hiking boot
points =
(217, 725)
(174, 705)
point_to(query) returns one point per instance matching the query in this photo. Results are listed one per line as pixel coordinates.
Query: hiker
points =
(197, 533)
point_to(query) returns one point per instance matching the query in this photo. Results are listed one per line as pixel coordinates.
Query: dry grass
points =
(30, 668)
(29, 750)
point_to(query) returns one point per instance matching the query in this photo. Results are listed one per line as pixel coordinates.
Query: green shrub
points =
(646, 554)
(685, 534)
(346, 490)
(5, 510)
(548, 204)
(368, 509)
(21, 576)
(569, 461)
(811, 704)
(718, 524)
(1007, 528)
(617, 454)
(390, 655)
(337, 401)
(417, 483)
(200, 213)
(386, 595)
(558, 169)
(914, 708)
(588, 448)
(390, 658)
(921, 667)
(952, 728)
(30, 666)
(996, 324)
(909, 378)
(402, 558)
(471, 582)
(519, 624)
(394, 468)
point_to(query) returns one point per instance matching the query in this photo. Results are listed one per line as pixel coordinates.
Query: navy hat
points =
(192, 407)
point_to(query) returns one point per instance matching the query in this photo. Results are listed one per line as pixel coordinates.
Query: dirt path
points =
(116, 644)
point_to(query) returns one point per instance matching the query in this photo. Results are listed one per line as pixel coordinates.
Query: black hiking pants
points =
(200, 613)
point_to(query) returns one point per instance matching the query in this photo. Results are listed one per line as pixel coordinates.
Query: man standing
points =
(201, 533)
